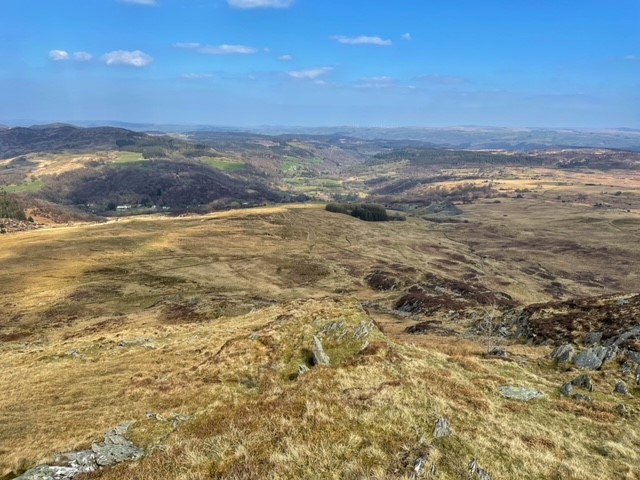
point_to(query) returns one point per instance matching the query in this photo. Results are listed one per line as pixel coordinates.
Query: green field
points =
(26, 187)
(126, 159)
(223, 164)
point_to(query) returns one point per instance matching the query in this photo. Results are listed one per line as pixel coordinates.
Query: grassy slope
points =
(108, 291)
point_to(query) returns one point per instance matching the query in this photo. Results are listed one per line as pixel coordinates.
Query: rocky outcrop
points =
(115, 448)
(564, 353)
(622, 389)
(477, 471)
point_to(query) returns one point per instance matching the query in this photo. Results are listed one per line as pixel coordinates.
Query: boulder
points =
(320, 357)
(622, 389)
(566, 389)
(626, 369)
(442, 428)
(498, 352)
(583, 381)
(638, 375)
(591, 359)
(520, 393)
(622, 409)
(563, 353)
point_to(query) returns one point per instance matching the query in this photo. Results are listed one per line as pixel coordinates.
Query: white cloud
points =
(285, 58)
(149, 3)
(187, 45)
(135, 58)
(227, 50)
(407, 36)
(223, 49)
(246, 4)
(196, 76)
(58, 55)
(311, 73)
(362, 40)
(82, 57)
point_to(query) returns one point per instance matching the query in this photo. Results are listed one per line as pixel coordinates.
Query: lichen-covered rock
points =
(442, 428)
(116, 448)
(520, 393)
(49, 472)
(563, 353)
(320, 357)
(583, 381)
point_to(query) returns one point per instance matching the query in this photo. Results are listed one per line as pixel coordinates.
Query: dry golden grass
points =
(88, 341)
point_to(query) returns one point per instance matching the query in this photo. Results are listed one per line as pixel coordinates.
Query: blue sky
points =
(545, 63)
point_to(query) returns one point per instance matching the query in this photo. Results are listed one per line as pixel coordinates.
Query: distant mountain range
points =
(473, 137)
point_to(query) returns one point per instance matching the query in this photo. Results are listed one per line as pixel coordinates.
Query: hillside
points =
(202, 330)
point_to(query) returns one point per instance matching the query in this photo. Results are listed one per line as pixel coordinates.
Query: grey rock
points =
(592, 339)
(622, 389)
(442, 428)
(628, 335)
(302, 369)
(591, 359)
(419, 468)
(477, 471)
(320, 357)
(582, 398)
(622, 409)
(633, 356)
(638, 375)
(49, 472)
(499, 352)
(83, 461)
(362, 330)
(563, 353)
(626, 369)
(567, 389)
(115, 449)
(583, 381)
(520, 393)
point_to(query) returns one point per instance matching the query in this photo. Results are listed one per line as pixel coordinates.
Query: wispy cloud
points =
(632, 58)
(376, 82)
(311, 73)
(407, 36)
(196, 76)
(285, 58)
(223, 49)
(135, 58)
(59, 55)
(247, 4)
(149, 3)
(362, 40)
(82, 57)
(438, 79)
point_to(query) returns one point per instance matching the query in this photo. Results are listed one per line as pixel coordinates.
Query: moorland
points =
(196, 285)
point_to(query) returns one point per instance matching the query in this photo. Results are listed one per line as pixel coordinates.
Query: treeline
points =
(10, 207)
(369, 212)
